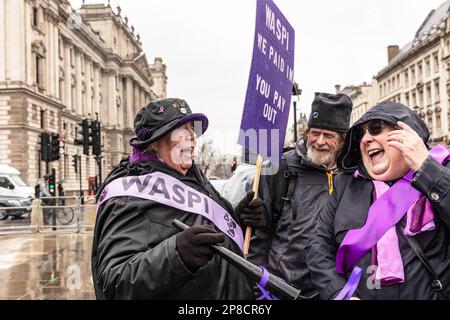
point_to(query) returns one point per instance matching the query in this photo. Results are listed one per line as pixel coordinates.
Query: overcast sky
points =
(207, 46)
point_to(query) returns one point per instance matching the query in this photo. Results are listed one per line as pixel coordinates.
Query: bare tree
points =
(206, 155)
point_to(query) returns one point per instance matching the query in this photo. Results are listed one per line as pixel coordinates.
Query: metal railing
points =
(48, 215)
(88, 214)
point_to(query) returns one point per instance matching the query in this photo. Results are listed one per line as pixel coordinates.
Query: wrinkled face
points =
(382, 162)
(323, 147)
(177, 148)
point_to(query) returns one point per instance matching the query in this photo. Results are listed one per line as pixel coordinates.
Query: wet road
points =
(46, 267)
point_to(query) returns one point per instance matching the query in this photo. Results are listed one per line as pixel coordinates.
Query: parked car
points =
(14, 207)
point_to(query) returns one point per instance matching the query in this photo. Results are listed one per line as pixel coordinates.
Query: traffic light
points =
(84, 124)
(96, 138)
(54, 154)
(45, 146)
(233, 165)
(51, 183)
(75, 162)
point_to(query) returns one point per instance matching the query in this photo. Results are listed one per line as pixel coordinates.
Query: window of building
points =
(438, 121)
(436, 62)
(428, 88)
(38, 71)
(420, 98)
(398, 80)
(74, 97)
(407, 99)
(413, 74)
(428, 67)
(61, 90)
(430, 121)
(406, 79)
(381, 91)
(43, 119)
(61, 48)
(72, 57)
(83, 65)
(420, 72)
(437, 93)
(35, 17)
(66, 167)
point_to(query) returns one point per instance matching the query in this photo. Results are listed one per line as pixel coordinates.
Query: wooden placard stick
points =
(248, 231)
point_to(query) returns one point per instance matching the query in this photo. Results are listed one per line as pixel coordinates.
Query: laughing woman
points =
(137, 252)
(389, 214)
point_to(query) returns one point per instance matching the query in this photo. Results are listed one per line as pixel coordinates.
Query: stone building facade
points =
(363, 96)
(58, 66)
(418, 74)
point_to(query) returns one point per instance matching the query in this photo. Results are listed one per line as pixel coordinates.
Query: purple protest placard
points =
(268, 99)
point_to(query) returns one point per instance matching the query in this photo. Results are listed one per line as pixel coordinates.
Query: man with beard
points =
(293, 197)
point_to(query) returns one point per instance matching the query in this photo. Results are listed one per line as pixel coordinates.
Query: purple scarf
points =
(384, 214)
(420, 218)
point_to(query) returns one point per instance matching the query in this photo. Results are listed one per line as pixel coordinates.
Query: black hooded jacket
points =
(348, 207)
(281, 246)
(134, 250)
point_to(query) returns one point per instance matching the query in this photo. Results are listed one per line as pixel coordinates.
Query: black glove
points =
(251, 212)
(193, 246)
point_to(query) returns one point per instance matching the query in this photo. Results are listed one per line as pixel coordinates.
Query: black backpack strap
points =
(280, 184)
(436, 283)
(283, 188)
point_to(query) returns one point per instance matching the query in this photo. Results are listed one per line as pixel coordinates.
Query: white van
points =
(11, 185)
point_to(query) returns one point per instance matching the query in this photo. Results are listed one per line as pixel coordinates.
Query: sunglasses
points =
(375, 128)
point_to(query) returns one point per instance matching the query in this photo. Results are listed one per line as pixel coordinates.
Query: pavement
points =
(39, 266)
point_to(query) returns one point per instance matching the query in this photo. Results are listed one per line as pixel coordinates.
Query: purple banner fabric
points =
(268, 99)
(167, 190)
(384, 213)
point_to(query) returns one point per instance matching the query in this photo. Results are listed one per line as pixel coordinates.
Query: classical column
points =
(56, 60)
(3, 40)
(112, 106)
(14, 27)
(88, 76)
(96, 70)
(136, 98)
(120, 110)
(143, 103)
(78, 79)
(68, 75)
(129, 108)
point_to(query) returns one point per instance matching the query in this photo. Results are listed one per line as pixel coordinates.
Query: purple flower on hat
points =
(143, 134)
(161, 109)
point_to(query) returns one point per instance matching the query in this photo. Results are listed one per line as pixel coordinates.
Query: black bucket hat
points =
(391, 112)
(331, 112)
(162, 116)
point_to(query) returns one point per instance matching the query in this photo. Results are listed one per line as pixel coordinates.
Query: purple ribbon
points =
(266, 295)
(384, 213)
(351, 285)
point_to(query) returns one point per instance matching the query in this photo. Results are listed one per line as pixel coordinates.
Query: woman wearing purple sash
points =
(389, 215)
(137, 252)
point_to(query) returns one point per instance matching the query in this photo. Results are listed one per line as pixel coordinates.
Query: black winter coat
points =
(134, 250)
(348, 208)
(281, 247)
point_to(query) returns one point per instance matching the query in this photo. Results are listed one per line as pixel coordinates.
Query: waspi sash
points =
(384, 213)
(167, 190)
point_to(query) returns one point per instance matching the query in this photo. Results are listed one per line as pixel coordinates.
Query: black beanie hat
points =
(331, 112)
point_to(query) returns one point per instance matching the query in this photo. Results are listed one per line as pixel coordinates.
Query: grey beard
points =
(318, 160)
